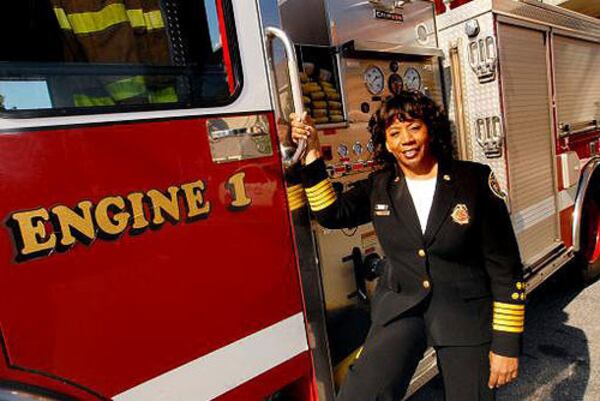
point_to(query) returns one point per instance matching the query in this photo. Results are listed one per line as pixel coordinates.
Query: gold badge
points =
(495, 186)
(460, 214)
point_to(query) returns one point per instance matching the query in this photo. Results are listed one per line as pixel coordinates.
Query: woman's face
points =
(409, 142)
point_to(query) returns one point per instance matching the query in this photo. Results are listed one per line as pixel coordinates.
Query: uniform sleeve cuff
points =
(314, 173)
(505, 344)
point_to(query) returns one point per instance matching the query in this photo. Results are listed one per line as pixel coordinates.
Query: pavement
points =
(561, 353)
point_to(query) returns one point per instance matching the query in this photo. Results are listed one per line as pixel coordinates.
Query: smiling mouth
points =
(410, 153)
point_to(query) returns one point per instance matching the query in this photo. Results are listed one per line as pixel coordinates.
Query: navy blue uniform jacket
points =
(467, 261)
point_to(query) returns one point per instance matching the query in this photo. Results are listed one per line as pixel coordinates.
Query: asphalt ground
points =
(561, 352)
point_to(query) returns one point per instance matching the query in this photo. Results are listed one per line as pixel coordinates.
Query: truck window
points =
(92, 56)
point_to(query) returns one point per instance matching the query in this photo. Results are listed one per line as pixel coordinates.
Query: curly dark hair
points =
(411, 106)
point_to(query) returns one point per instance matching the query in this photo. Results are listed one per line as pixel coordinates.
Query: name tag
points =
(382, 212)
(381, 206)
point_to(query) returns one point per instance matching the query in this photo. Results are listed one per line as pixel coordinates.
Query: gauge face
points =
(357, 148)
(342, 150)
(370, 146)
(412, 79)
(395, 84)
(374, 80)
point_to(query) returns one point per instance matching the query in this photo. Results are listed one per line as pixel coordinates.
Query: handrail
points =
(288, 158)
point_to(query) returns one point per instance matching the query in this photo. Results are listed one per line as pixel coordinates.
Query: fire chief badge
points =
(460, 214)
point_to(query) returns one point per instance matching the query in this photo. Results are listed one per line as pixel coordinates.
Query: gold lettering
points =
(163, 203)
(115, 225)
(33, 235)
(235, 185)
(137, 209)
(194, 196)
(69, 219)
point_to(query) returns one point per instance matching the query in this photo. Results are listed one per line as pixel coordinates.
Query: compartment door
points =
(529, 139)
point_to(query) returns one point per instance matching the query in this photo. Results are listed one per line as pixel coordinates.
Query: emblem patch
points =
(460, 214)
(495, 186)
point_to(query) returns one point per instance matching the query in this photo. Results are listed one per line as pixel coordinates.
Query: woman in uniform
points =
(453, 275)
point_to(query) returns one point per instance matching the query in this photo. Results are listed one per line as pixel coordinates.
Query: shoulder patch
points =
(495, 186)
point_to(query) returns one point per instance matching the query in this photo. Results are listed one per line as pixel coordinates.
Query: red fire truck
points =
(156, 244)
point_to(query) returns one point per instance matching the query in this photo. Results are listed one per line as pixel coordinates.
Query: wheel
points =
(589, 253)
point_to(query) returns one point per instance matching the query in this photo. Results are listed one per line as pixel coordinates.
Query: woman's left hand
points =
(503, 370)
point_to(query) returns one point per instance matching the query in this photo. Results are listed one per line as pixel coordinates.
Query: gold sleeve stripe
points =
(297, 204)
(296, 198)
(323, 203)
(321, 196)
(509, 323)
(508, 329)
(294, 189)
(509, 313)
(508, 318)
(502, 305)
(315, 188)
(319, 193)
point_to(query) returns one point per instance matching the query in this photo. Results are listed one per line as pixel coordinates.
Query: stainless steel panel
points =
(306, 21)
(354, 20)
(577, 80)
(525, 85)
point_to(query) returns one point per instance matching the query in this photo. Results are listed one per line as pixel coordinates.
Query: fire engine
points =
(156, 243)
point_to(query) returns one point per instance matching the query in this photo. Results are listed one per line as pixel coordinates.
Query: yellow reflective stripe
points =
(90, 101)
(508, 329)
(502, 305)
(314, 189)
(154, 20)
(93, 21)
(166, 95)
(62, 19)
(112, 14)
(127, 88)
(149, 20)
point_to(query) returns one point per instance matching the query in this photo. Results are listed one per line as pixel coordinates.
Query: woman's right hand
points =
(304, 129)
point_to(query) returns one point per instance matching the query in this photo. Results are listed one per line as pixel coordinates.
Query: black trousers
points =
(390, 357)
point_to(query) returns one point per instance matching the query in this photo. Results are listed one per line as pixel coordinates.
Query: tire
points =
(588, 257)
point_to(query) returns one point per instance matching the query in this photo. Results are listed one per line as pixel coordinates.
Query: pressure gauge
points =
(357, 148)
(374, 80)
(371, 146)
(395, 84)
(412, 79)
(342, 150)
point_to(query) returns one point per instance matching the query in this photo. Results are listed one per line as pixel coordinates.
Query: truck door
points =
(146, 251)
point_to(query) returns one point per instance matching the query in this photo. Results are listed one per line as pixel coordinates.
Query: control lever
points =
(367, 269)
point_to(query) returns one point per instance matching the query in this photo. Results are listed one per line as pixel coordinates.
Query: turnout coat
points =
(467, 262)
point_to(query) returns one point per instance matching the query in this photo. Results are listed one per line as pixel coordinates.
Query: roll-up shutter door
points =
(577, 74)
(524, 74)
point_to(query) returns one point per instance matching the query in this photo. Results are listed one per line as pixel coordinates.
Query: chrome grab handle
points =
(290, 156)
(567, 129)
